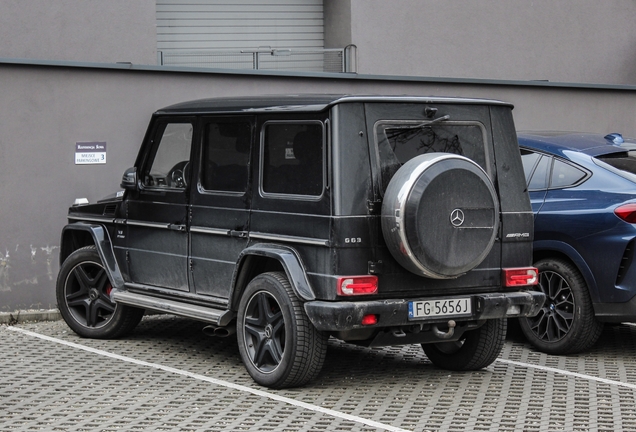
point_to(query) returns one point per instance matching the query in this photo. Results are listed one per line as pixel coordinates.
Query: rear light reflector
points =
(369, 319)
(357, 285)
(626, 212)
(513, 277)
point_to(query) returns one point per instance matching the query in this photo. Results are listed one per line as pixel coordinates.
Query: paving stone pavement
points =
(168, 376)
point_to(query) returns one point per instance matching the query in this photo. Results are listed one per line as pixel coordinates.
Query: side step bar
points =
(218, 317)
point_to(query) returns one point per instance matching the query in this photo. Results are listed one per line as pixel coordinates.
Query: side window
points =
(292, 158)
(539, 178)
(169, 163)
(226, 148)
(529, 160)
(564, 175)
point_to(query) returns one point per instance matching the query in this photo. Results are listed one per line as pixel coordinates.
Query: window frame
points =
(205, 122)
(484, 135)
(153, 144)
(261, 162)
(552, 159)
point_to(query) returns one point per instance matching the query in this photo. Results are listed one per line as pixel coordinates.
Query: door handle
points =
(176, 227)
(240, 234)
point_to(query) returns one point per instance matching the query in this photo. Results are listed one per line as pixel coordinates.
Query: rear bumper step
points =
(347, 315)
(201, 313)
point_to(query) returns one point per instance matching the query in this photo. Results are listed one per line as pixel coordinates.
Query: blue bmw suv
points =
(583, 193)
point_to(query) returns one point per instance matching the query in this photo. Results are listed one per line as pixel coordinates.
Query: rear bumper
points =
(616, 312)
(347, 315)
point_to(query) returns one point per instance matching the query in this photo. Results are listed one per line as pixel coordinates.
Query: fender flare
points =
(289, 260)
(576, 258)
(104, 247)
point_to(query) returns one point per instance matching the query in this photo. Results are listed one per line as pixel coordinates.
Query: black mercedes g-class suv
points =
(378, 220)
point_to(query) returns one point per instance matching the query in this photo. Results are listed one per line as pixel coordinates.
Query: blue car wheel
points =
(566, 322)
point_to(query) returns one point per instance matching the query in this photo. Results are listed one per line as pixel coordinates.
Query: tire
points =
(440, 215)
(475, 350)
(83, 297)
(566, 323)
(278, 344)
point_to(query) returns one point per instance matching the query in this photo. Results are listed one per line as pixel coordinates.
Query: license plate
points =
(439, 308)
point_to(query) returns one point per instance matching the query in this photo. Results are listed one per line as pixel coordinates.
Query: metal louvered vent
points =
(110, 209)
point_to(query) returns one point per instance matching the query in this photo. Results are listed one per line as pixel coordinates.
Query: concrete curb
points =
(22, 316)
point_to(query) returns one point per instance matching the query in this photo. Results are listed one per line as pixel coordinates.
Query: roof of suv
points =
(306, 102)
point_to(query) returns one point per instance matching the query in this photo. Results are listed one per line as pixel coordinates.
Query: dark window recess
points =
(626, 262)
(564, 175)
(622, 161)
(225, 156)
(293, 159)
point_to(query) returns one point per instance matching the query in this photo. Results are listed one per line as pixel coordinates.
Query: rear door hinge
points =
(375, 267)
(374, 206)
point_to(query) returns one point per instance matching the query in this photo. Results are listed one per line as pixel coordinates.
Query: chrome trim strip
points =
(148, 224)
(293, 239)
(213, 231)
(91, 219)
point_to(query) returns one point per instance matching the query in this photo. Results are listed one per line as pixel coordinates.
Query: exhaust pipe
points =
(213, 330)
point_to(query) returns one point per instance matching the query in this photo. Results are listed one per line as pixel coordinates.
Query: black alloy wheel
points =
(278, 344)
(566, 323)
(264, 331)
(83, 297)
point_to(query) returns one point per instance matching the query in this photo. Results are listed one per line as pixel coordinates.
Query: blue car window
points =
(539, 178)
(529, 160)
(564, 175)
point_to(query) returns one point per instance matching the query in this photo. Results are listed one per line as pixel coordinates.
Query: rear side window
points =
(226, 146)
(536, 167)
(292, 158)
(564, 175)
(399, 141)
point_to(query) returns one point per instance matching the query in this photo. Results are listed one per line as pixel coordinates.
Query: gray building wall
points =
(586, 41)
(106, 31)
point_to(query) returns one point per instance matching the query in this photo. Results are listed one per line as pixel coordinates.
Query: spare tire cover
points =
(440, 215)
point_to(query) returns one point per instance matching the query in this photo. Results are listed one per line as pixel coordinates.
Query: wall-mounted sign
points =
(90, 153)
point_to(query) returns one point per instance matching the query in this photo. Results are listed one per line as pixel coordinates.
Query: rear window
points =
(398, 141)
(623, 164)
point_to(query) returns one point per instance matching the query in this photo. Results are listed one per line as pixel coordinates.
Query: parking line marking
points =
(564, 372)
(222, 383)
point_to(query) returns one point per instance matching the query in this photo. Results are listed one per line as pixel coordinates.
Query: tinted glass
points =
(539, 178)
(529, 160)
(226, 146)
(169, 165)
(293, 158)
(400, 141)
(564, 174)
(623, 164)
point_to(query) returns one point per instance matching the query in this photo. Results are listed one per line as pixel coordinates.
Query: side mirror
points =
(129, 179)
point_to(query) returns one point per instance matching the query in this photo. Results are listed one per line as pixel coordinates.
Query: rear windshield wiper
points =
(420, 125)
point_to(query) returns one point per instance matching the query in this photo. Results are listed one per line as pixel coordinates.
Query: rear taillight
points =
(357, 285)
(514, 277)
(627, 212)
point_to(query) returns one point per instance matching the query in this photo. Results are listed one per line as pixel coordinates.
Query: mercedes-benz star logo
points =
(457, 217)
